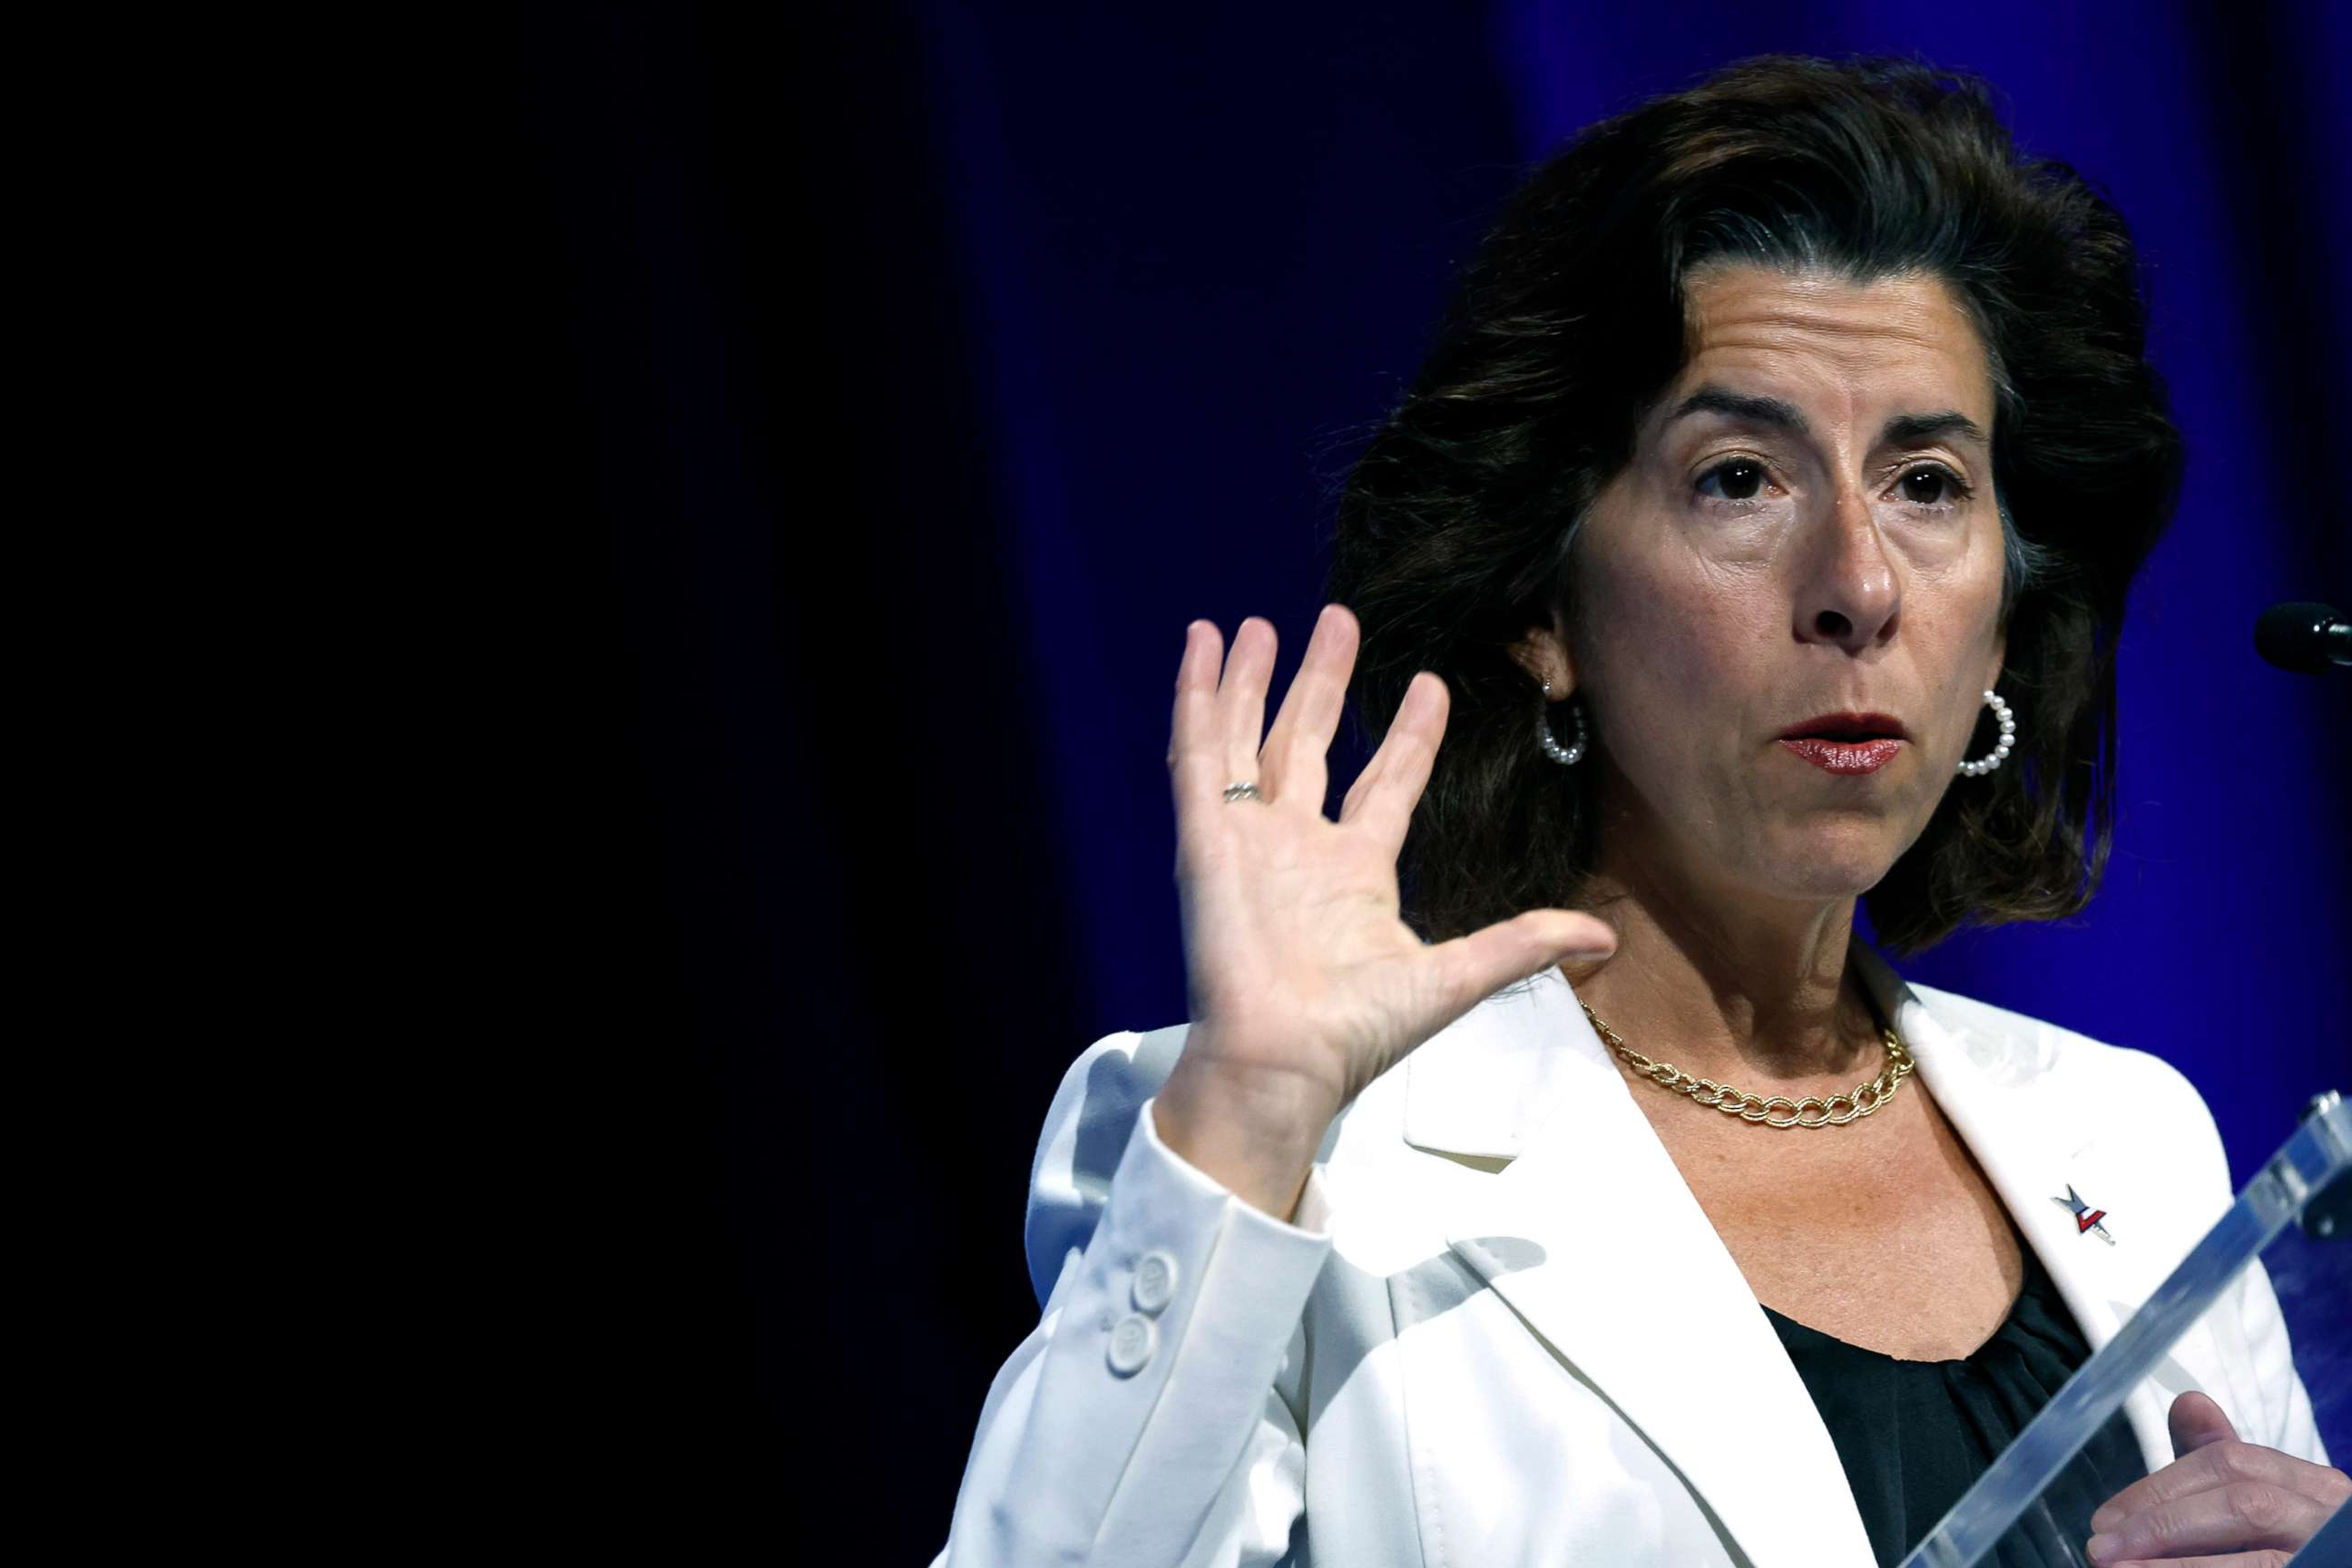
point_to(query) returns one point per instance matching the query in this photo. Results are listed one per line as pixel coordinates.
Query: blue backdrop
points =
(925, 370)
(1191, 263)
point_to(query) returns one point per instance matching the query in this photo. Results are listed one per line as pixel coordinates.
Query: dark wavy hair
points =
(1455, 526)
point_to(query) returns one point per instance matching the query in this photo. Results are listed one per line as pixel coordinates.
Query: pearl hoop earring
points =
(1566, 756)
(1999, 754)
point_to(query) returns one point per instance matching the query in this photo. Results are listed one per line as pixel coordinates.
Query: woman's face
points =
(1808, 527)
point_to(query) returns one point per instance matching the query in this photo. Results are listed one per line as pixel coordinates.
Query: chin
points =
(1827, 882)
(1833, 866)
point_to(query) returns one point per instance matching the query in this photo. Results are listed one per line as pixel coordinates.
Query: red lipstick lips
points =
(1846, 743)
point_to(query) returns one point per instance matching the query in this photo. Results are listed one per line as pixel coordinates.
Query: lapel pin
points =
(2085, 1216)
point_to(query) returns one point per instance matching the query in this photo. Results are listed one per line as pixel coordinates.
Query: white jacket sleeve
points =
(2284, 1421)
(1153, 1417)
(2274, 1411)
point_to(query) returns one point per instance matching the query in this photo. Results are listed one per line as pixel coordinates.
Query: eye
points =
(1737, 479)
(1931, 485)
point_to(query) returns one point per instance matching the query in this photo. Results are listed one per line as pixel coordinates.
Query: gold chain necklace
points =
(1859, 1100)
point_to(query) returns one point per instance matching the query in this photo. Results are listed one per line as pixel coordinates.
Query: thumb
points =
(1472, 967)
(2195, 1421)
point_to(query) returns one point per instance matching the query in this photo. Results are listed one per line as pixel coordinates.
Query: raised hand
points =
(1305, 983)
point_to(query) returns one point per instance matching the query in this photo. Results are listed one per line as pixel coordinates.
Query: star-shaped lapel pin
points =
(2085, 1216)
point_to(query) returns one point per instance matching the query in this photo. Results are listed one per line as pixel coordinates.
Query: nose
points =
(1848, 594)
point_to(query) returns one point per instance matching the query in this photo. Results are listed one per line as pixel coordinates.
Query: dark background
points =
(879, 389)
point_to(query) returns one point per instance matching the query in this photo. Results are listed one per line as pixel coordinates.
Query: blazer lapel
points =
(1997, 1094)
(1629, 1282)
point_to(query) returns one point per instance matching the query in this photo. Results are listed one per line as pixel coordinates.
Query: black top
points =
(1915, 1435)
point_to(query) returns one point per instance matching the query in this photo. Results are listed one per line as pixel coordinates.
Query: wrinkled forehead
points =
(1846, 350)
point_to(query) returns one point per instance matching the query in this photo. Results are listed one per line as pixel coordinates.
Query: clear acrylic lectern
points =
(2005, 1518)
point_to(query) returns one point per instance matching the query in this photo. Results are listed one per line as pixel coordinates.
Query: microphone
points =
(2303, 637)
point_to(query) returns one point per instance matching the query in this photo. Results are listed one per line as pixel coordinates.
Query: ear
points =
(1543, 654)
(2000, 656)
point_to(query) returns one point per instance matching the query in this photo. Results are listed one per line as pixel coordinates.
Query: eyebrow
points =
(1903, 429)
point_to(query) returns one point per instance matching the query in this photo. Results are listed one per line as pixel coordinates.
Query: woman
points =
(1756, 538)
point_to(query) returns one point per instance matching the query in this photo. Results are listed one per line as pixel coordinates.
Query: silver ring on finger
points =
(1242, 789)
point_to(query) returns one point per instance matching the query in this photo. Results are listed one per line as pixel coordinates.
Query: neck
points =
(1745, 990)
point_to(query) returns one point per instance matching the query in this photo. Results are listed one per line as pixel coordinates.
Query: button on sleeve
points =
(1131, 1344)
(1155, 1281)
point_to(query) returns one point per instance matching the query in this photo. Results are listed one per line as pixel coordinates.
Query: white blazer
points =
(1441, 1364)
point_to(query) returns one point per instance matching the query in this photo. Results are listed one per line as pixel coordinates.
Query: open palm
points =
(1300, 971)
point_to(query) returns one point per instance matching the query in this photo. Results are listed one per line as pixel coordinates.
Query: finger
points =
(2218, 1464)
(1196, 744)
(2243, 1516)
(1382, 799)
(2229, 1560)
(1296, 748)
(1241, 699)
(2196, 1419)
(1474, 967)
